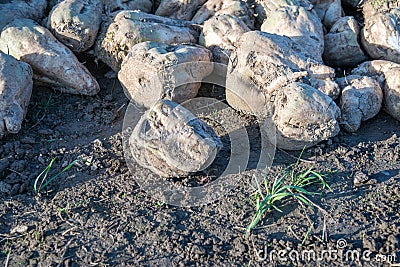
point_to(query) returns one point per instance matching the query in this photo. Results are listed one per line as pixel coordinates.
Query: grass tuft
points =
(290, 183)
(42, 177)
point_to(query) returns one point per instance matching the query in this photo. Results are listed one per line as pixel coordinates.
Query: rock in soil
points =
(237, 8)
(53, 63)
(341, 44)
(360, 178)
(300, 24)
(304, 117)
(172, 142)
(220, 34)
(15, 92)
(114, 5)
(75, 23)
(361, 100)
(179, 9)
(12, 9)
(269, 62)
(19, 229)
(151, 71)
(127, 28)
(380, 35)
(388, 75)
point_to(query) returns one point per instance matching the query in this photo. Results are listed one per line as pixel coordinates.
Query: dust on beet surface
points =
(95, 214)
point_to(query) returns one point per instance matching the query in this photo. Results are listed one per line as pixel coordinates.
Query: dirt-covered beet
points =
(329, 11)
(380, 35)
(300, 24)
(53, 64)
(14, 9)
(264, 68)
(127, 28)
(220, 34)
(151, 71)
(114, 5)
(342, 48)
(270, 62)
(388, 75)
(75, 23)
(15, 93)
(238, 8)
(172, 142)
(265, 7)
(361, 100)
(179, 9)
(299, 128)
(371, 7)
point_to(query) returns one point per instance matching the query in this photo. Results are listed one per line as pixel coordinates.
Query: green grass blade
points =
(301, 189)
(45, 172)
(307, 234)
(277, 184)
(302, 199)
(276, 208)
(58, 174)
(256, 219)
(322, 180)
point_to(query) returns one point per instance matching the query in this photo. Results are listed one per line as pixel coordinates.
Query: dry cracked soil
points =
(95, 214)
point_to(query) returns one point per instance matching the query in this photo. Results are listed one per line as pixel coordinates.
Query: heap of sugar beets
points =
(294, 52)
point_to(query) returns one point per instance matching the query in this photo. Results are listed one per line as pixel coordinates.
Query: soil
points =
(95, 214)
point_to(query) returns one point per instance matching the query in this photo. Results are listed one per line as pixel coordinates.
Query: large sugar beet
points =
(172, 142)
(269, 77)
(179, 9)
(326, 86)
(388, 75)
(270, 62)
(236, 8)
(329, 11)
(263, 8)
(220, 34)
(127, 28)
(380, 36)
(301, 25)
(14, 9)
(15, 93)
(341, 44)
(75, 23)
(304, 117)
(52, 63)
(114, 5)
(371, 7)
(152, 71)
(361, 100)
